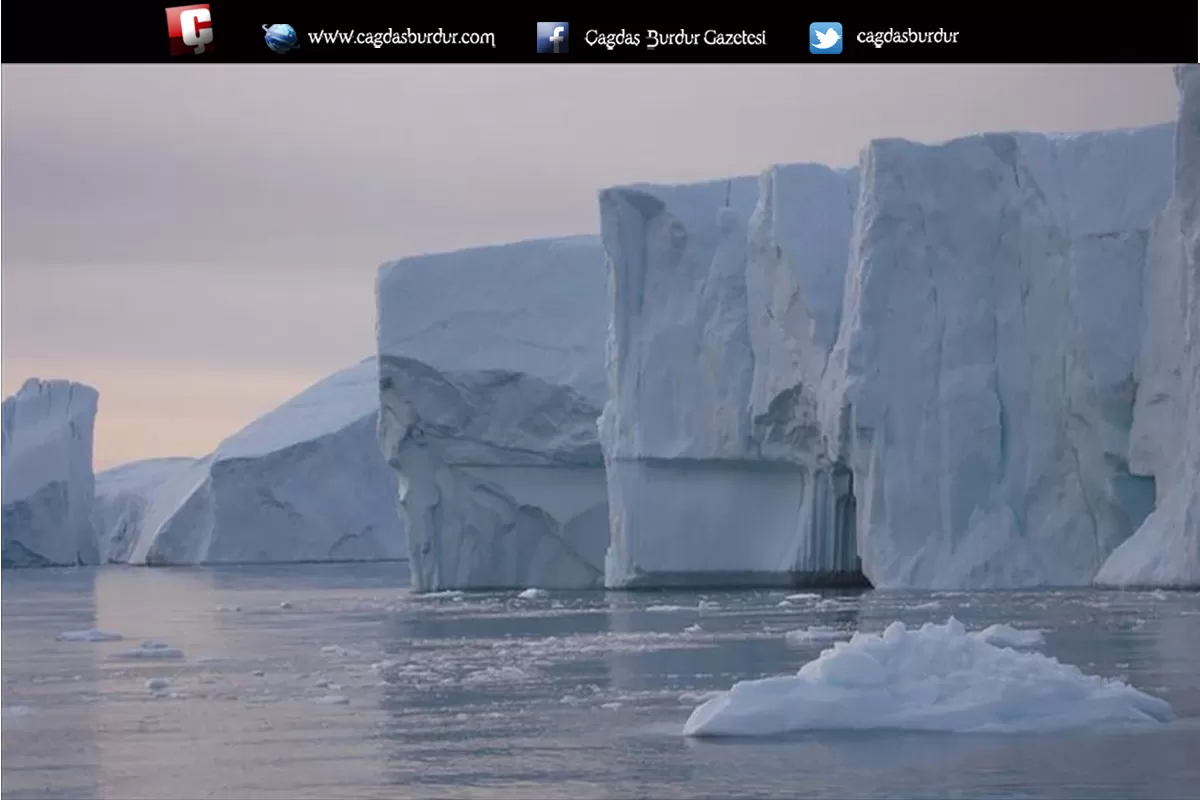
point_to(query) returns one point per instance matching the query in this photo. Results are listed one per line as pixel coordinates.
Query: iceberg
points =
(982, 385)
(491, 380)
(726, 300)
(47, 474)
(932, 678)
(1165, 439)
(305, 482)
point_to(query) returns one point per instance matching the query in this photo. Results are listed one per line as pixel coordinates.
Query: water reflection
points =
(567, 695)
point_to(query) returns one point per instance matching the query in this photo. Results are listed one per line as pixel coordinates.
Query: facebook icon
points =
(552, 37)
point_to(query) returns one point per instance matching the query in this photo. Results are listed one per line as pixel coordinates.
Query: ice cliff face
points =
(982, 385)
(726, 299)
(302, 483)
(491, 380)
(1165, 550)
(47, 474)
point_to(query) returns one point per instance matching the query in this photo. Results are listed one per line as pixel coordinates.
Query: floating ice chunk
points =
(816, 634)
(90, 635)
(532, 594)
(285, 604)
(149, 649)
(157, 684)
(930, 606)
(693, 629)
(446, 595)
(669, 608)
(1007, 636)
(506, 674)
(801, 596)
(337, 651)
(708, 605)
(932, 678)
(331, 700)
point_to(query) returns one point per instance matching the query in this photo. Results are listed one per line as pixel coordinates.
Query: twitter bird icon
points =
(825, 38)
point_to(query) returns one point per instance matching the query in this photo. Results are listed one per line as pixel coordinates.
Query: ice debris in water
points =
(1002, 635)
(90, 635)
(331, 700)
(532, 594)
(157, 684)
(816, 633)
(149, 649)
(932, 678)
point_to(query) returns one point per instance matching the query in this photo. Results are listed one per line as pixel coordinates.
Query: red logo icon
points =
(190, 30)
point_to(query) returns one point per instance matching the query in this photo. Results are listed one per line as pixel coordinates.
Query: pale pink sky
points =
(200, 242)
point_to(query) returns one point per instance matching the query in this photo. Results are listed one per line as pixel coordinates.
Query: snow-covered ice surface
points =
(726, 298)
(580, 694)
(937, 677)
(982, 382)
(491, 380)
(1165, 550)
(305, 482)
(47, 474)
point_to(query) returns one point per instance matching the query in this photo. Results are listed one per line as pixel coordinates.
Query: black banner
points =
(238, 31)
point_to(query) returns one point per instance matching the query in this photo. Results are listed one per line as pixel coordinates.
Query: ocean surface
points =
(336, 682)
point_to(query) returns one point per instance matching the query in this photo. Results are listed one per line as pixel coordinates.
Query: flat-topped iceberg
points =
(932, 678)
(982, 384)
(725, 301)
(1165, 550)
(303, 483)
(47, 474)
(491, 380)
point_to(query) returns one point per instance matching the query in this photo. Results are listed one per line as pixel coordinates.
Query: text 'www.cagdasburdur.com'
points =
(407, 36)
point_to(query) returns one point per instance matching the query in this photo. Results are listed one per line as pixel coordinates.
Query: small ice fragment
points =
(815, 634)
(800, 596)
(1002, 635)
(384, 665)
(331, 700)
(157, 684)
(930, 606)
(611, 706)
(90, 635)
(532, 594)
(708, 604)
(323, 683)
(285, 604)
(693, 629)
(258, 673)
(155, 653)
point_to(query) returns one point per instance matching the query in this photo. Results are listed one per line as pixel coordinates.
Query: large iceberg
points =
(1165, 550)
(921, 370)
(491, 380)
(982, 385)
(47, 474)
(726, 299)
(303, 483)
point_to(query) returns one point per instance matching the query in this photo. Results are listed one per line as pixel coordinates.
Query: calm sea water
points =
(490, 696)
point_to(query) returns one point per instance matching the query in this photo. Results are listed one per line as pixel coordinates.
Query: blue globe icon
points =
(281, 38)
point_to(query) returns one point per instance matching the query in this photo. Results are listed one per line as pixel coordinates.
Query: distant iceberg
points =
(305, 482)
(47, 471)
